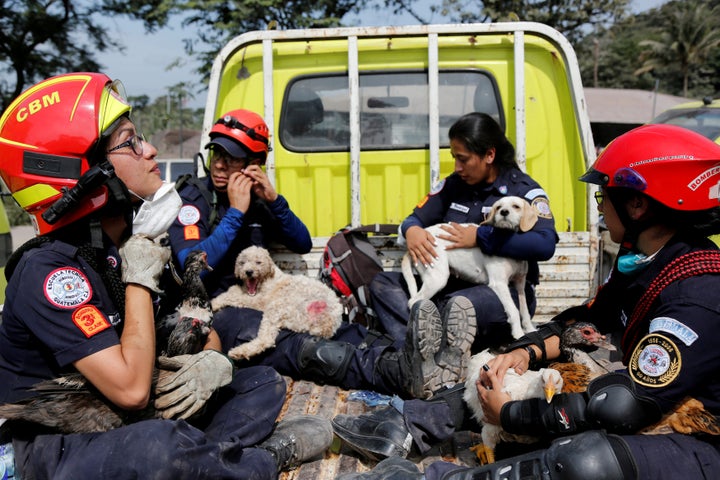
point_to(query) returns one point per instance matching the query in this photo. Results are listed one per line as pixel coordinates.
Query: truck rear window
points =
(393, 109)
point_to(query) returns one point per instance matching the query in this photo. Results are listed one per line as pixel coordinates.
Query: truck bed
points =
(564, 282)
(305, 397)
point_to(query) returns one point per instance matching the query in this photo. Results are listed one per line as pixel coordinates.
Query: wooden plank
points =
(305, 397)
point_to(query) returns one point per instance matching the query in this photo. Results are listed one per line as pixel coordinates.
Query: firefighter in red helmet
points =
(657, 416)
(81, 299)
(235, 206)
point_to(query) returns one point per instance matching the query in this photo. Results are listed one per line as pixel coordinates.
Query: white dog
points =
(472, 265)
(293, 302)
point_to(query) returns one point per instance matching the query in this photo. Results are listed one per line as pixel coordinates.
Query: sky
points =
(143, 67)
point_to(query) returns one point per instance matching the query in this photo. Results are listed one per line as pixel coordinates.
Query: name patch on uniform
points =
(542, 207)
(188, 215)
(669, 325)
(67, 288)
(459, 208)
(655, 362)
(89, 320)
(192, 232)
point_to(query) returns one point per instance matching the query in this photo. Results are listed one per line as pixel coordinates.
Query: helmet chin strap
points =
(629, 260)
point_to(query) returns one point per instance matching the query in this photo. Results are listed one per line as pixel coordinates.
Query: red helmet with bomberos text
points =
(673, 165)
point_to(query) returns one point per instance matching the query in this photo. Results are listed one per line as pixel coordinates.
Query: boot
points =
(437, 349)
(298, 439)
(377, 434)
(459, 326)
(392, 468)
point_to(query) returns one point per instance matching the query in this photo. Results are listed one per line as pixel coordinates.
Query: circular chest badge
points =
(655, 362)
(67, 288)
(188, 215)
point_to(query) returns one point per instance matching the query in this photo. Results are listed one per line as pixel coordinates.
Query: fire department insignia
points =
(655, 362)
(67, 288)
(188, 215)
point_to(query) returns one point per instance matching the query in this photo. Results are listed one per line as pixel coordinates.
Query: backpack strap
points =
(210, 197)
(685, 266)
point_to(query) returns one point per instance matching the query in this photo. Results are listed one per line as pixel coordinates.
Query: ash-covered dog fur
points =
(293, 302)
(472, 265)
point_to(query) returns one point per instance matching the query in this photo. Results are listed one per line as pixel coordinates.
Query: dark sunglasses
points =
(232, 122)
(135, 143)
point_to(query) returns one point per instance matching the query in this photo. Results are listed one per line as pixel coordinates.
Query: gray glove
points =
(143, 261)
(184, 392)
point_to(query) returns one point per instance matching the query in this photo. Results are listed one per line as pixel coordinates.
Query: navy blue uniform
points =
(674, 355)
(263, 224)
(58, 311)
(453, 200)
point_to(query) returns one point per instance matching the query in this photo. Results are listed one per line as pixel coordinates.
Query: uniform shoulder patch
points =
(542, 207)
(655, 362)
(90, 320)
(188, 215)
(67, 287)
(437, 187)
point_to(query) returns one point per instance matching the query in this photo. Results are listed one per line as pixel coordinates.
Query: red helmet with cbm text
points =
(242, 133)
(48, 146)
(673, 165)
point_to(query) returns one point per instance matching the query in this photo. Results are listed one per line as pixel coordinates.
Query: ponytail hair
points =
(480, 132)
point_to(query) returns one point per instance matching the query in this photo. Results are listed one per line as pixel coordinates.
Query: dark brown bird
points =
(579, 343)
(71, 404)
(190, 323)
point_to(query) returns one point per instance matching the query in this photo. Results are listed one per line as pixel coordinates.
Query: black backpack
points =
(348, 265)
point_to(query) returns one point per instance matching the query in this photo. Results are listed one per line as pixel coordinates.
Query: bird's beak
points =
(550, 391)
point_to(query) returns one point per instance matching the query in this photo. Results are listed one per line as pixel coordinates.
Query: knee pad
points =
(615, 406)
(324, 361)
(588, 455)
(592, 454)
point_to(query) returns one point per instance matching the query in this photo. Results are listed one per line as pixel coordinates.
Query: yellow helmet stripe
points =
(35, 194)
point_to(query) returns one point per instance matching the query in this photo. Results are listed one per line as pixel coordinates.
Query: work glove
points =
(197, 377)
(143, 261)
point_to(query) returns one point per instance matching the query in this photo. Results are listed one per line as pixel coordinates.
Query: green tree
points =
(687, 34)
(40, 38)
(218, 21)
(571, 17)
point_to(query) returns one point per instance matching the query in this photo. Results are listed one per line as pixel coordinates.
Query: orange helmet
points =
(242, 134)
(673, 165)
(48, 137)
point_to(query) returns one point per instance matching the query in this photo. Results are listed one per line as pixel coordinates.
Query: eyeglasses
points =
(135, 143)
(232, 122)
(599, 197)
(229, 160)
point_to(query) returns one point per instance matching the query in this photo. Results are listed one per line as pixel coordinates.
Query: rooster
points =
(71, 404)
(575, 341)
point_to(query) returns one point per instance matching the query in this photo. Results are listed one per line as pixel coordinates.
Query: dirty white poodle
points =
(292, 302)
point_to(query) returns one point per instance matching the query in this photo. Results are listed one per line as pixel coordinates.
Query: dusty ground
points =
(327, 401)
